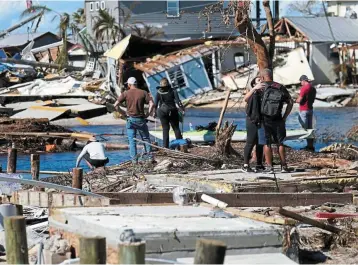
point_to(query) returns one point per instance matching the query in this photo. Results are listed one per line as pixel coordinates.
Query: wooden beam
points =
(288, 30)
(292, 25)
(237, 199)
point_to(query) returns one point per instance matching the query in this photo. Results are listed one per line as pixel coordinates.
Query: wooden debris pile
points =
(353, 133)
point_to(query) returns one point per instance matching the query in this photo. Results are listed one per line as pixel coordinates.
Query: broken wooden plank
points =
(309, 221)
(260, 217)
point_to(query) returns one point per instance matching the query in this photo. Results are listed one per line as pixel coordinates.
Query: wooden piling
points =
(93, 250)
(131, 253)
(11, 160)
(209, 252)
(15, 240)
(19, 209)
(35, 169)
(77, 176)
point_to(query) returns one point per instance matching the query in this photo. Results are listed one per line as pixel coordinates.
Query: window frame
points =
(91, 6)
(179, 67)
(178, 8)
(239, 54)
(98, 6)
(103, 5)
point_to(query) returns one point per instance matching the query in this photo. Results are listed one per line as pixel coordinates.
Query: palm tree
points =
(106, 27)
(79, 17)
(146, 31)
(62, 59)
(78, 22)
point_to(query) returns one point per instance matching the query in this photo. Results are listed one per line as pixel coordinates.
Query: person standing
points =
(94, 154)
(306, 100)
(254, 130)
(135, 99)
(274, 97)
(167, 103)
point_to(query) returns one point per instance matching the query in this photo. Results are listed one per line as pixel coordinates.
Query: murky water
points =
(330, 123)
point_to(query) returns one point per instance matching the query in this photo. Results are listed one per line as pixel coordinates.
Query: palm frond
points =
(35, 8)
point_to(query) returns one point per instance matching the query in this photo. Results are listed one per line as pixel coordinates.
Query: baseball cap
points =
(304, 78)
(131, 81)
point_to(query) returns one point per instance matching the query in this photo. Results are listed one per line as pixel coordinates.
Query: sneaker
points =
(268, 170)
(259, 168)
(246, 169)
(285, 169)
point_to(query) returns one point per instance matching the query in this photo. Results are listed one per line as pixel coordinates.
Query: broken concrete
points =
(169, 231)
(39, 112)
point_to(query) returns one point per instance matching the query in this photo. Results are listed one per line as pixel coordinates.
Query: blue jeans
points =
(306, 119)
(133, 126)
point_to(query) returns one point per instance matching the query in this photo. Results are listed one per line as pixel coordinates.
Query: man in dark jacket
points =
(273, 120)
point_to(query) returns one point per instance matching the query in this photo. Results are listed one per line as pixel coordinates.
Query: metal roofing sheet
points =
(317, 28)
(18, 39)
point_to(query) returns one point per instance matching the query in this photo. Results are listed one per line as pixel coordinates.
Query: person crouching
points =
(94, 154)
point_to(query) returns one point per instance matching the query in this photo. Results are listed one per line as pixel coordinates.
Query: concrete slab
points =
(89, 110)
(71, 101)
(267, 258)
(20, 106)
(7, 99)
(42, 112)
(106, 119)
(166, 229)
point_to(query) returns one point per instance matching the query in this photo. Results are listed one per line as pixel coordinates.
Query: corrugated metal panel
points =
(18, 39)
(317, 28)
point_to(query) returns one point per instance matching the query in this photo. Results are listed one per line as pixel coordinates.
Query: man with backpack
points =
(274, 97)
(306, 100)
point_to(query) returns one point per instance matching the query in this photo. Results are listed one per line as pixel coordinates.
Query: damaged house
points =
(313, 34)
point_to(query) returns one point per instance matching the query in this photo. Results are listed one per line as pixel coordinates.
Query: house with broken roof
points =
(15, 43)
(317, 36)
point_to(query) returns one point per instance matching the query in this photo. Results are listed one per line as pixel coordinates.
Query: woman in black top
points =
(166, 102)
(255, 134)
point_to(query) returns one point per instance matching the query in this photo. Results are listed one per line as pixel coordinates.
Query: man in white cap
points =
(94, 154)
(135, 99)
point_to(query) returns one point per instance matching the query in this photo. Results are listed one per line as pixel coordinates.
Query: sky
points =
(10, 13)
(11, 10)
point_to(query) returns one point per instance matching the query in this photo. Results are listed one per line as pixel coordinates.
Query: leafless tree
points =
(308, 7)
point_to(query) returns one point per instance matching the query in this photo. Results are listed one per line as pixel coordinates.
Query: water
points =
(332, 122)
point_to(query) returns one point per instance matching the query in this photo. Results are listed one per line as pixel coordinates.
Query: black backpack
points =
(253, 108)
(272, 100)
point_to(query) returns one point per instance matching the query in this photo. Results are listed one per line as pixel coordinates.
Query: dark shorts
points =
(96, 162)
(275, 131)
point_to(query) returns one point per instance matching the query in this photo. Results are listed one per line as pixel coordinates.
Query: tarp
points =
(119, 49)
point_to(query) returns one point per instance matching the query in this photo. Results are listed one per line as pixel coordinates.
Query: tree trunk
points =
(223, 139)
(270, 24)
(245, 27)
